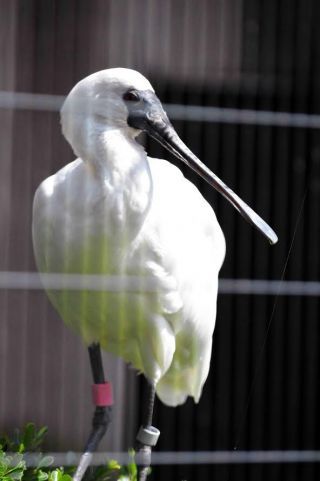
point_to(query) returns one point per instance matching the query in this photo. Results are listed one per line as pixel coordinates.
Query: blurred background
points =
(260, 56)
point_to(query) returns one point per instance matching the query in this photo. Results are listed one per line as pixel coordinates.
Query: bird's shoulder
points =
(58, 196)
(54, 184)
(169, 181)
(164, 171)
(177, 198)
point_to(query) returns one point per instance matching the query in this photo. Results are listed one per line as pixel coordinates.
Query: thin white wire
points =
(57, 281)
(267, 287)
(28, 101)
(196, 113)
(185, 457)
(33, 281)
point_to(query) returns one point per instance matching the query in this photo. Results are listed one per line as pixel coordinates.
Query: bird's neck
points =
(115, 155)
(122, 167)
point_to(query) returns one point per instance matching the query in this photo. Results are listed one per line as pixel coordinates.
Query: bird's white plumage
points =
(116, 211)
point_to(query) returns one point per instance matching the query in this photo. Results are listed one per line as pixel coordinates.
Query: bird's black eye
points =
(131, 96)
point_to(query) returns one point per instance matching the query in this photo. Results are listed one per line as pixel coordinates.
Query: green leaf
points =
(45, 462)
(113, 464)
(28, 435)
(57, 475)
(16, 474)
(20, 448)
(39, 436)
(66, 477)
(132, 470)
(42, 476)
(4, 460)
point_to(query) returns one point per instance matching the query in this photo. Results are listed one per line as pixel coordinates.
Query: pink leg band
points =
(102, 394)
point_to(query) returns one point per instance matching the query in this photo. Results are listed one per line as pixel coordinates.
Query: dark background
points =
(262, 391)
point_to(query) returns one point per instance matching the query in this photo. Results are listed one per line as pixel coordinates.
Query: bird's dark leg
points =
(147, 437)
(102, 398)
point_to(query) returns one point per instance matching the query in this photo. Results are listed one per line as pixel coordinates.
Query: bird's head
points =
(100, 102)
(123, 99)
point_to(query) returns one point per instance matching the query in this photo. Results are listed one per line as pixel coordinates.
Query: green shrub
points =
(13, 465)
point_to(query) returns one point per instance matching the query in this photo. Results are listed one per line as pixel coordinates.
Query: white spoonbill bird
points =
(114, 211)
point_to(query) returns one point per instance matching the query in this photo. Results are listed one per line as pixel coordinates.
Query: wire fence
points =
(262, 56)
(184, 457)
(194, 113)
(58, 281)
